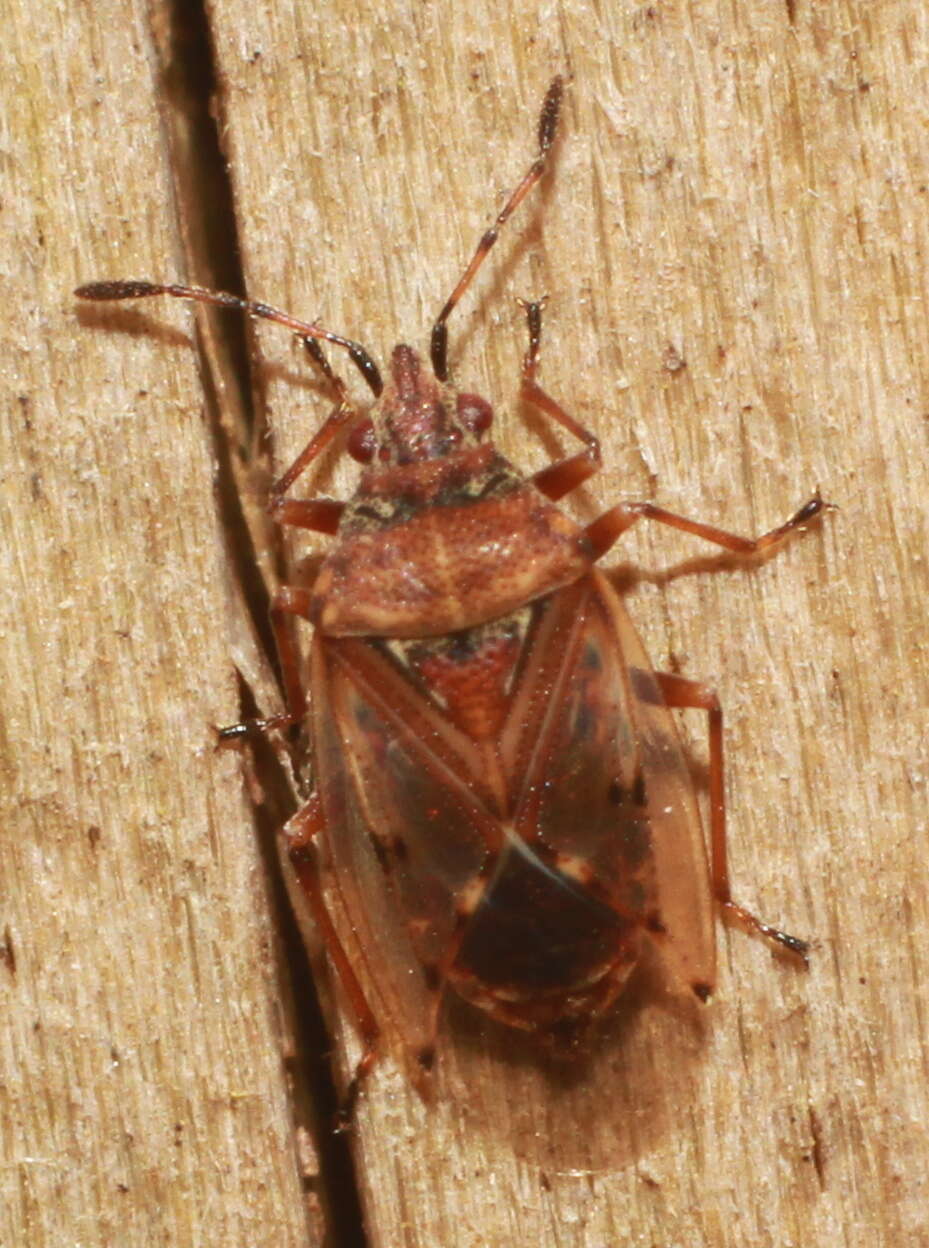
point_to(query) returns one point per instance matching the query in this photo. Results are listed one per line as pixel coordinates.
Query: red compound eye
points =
(361, 443)
(475, 413)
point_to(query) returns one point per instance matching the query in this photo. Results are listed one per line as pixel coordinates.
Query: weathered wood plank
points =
(734, 240)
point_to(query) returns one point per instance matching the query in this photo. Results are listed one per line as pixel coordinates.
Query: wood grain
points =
(734, 240)
(144, 1097)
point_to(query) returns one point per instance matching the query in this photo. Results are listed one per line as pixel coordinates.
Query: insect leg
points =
(319, 514)
(548, 121)
(604, 531)
(318, 356)
(341, 414)
(289, 600)
(681, 693)
(302, 831)
(322, 515)
(560, 478)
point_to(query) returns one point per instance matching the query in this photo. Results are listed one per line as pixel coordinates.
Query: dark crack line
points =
(193, 100)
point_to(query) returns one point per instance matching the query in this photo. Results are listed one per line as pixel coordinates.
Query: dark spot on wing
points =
(431, 976)
(616, 794)
(645, 687)
(381, 853)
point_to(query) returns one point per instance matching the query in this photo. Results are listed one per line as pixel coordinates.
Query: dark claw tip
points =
(232, 735)
(801, 948)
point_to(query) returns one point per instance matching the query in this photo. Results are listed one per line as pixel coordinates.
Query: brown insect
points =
(502, 805)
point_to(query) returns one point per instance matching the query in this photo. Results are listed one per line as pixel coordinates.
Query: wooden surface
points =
(735, 243)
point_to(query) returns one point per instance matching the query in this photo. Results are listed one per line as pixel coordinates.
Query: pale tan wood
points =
(738, 190)
(143, 1093)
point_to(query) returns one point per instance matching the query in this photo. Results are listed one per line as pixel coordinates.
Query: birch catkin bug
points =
(501, 804)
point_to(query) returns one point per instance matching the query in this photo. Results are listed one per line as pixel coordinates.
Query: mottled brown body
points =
(447, 563)
(502, 806)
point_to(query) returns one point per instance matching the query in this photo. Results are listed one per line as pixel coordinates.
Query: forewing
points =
(407, 832)
(570, 754)
(594, 756)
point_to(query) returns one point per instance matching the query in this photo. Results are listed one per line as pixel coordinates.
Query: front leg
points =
(558, 479)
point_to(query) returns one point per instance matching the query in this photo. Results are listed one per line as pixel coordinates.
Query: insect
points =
(502, 806)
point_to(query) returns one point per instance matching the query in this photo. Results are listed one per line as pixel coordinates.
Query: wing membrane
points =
(594, 755)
